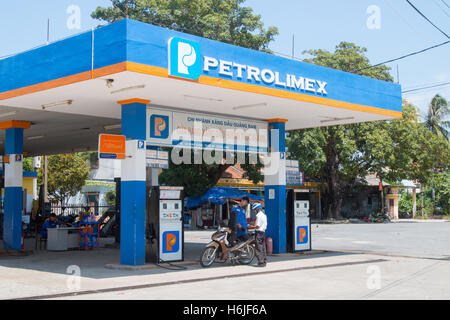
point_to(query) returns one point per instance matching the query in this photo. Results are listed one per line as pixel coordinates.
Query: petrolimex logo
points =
(171, 241)
(159, 126)
(185, 59)
(302, 234)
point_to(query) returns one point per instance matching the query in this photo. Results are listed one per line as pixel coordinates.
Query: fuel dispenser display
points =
(298, 222)
(165, 224)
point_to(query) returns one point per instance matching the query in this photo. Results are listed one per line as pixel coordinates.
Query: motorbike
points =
(220, 250)
(68, 220)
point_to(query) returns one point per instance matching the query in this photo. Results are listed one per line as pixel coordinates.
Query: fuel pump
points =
(298, 222)
(165, 234)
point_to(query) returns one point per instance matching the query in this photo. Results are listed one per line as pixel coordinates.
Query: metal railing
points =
(75, 209)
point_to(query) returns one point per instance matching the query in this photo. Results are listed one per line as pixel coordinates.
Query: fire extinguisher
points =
(269, 245)
(22, 242)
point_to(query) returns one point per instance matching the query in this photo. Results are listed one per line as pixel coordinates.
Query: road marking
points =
(398, 282)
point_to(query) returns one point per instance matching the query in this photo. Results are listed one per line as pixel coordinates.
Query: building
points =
(145, 78)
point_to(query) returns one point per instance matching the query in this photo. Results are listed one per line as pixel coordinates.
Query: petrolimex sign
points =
(186, 61)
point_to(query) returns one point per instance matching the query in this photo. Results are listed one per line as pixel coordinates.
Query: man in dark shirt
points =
(51, 222)
(238, 221)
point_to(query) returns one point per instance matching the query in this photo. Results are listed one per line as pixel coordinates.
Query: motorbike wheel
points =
(247, 255)
(208, 256)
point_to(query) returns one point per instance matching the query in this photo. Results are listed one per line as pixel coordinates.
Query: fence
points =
(77, 209)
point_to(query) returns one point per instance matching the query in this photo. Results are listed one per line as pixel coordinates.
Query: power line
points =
(445, 3)
(406, 21)
(427, 19)
(427, 87)
(405, 56)
(443, 9)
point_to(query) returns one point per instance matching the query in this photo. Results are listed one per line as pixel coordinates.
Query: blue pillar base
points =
(275, 210)
(12, 221)
(132, 223)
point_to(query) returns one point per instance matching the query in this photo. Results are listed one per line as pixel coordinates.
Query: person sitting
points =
(51, 222)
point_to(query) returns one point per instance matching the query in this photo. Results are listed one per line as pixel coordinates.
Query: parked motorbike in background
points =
(220, 250)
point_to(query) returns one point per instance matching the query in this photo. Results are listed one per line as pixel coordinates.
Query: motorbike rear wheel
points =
(208, 256)
(247, 256)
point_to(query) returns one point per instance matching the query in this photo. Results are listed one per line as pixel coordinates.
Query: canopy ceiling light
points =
(112, 127)
(251, 106)
(202, 98)
(336, 119)
(7, 114)
(142, 86)
(35, 137)
(56, 104)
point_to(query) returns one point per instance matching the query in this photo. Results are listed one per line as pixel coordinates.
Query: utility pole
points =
(45, 178)
(126, 9)
(293, 46)
(48, 30)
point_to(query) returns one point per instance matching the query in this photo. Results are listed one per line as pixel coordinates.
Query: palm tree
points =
(435, 121)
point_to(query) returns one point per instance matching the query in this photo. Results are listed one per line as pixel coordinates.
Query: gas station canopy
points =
(69, 89)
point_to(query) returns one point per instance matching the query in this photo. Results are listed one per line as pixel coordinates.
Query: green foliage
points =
(222, 20)
(111, 197)
(441, 184)
(67, 174)
(340, 155)
(28, 164)
(438, 110)
(350, 58)
(405, 202)
(197, 178)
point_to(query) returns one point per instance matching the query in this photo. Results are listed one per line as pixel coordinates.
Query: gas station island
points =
(162, 88)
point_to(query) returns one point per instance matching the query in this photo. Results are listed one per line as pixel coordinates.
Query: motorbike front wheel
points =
(247, 255)
(208, 256)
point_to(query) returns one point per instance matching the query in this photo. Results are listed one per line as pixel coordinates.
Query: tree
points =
(67, 174)
(438, 110)
(339, 156)
(197, 178)
(28, 164)
(222, 20)
(333, 154)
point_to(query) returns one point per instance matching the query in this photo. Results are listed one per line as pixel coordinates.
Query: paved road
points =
(415, 239)
(369, 261)
(411, 259)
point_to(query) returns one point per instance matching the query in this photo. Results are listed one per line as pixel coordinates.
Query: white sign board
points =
(293, 174)
(204, 131)
(157, 159)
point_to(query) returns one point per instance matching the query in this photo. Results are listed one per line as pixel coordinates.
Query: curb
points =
(12, 253)
(117, 266)
(296, 254)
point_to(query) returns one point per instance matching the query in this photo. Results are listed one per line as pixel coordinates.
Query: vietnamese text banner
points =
(172, 128)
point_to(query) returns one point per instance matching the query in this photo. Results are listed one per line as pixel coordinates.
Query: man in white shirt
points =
(260, 227)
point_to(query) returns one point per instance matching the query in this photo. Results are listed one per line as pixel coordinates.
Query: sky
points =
(387, 28)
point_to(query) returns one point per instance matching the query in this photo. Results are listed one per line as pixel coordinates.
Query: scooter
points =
(220, 250)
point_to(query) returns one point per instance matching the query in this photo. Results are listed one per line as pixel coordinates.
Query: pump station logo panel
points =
(184, 58)
(171, 242)
(302, 235)
(159, 126)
